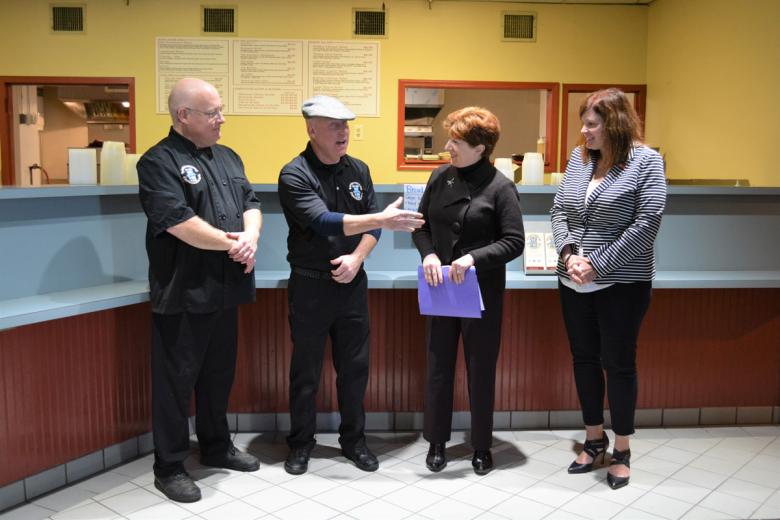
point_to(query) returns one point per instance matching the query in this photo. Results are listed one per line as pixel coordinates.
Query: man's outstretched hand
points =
(396, 219)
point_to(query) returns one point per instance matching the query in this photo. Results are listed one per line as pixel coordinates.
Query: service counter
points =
(74, 328)
(76, 249)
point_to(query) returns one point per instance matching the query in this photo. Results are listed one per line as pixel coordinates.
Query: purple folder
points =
(450, 299)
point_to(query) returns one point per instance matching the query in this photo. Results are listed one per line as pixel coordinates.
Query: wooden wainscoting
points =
(73, 386)
(698, 347)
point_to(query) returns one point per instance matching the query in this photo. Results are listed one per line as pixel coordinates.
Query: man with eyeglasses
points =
(328, 201)
(203, 225)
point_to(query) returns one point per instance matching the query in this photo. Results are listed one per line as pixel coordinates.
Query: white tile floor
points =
(696, 473)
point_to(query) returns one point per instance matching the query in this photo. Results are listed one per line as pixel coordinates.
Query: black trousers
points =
(191, 352)
(481, 343)
(319, 308)
(603, 328)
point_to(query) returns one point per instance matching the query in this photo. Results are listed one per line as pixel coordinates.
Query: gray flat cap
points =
(326, 106)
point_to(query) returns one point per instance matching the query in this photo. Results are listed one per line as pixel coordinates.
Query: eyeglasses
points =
(211, 114)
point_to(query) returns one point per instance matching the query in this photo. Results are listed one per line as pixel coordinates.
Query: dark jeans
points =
(603, 327)
(191, 352)
(318, 309)
(481, 342)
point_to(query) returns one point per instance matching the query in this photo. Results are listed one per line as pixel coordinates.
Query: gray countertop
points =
(34, 309)
(98, 190)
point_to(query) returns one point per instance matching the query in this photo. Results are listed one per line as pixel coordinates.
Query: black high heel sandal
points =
(593, 448)
(618, 458)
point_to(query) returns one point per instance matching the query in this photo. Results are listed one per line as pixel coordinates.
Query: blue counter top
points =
(72, 250)
(45, 307)
(93, 190)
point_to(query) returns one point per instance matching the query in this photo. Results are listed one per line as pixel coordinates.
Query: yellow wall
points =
(453, 40)
(713, 72)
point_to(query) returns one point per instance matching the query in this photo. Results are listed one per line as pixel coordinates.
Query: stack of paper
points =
(82, 166)
(112, 162)
(450, 299)
(130, 173)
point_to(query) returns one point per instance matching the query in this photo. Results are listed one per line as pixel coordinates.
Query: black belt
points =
(312, 273)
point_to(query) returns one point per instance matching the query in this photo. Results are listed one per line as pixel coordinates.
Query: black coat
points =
(477, 212)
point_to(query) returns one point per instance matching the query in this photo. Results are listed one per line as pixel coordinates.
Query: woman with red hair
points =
(472, 219)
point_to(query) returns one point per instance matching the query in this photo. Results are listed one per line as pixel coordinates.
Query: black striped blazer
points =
(617, 228)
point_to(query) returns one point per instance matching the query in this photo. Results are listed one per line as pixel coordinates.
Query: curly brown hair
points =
(475, 125)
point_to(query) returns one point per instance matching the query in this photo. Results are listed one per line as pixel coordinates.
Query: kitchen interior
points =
(522, 113)
(54, 125)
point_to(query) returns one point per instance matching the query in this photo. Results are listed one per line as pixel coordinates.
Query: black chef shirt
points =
(307, 189)
(178, 181)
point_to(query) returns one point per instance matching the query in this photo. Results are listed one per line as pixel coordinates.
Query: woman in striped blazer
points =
(605, 218)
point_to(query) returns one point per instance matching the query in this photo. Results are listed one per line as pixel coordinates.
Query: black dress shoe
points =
(297, 462)
(482, 462)
(178, 487)
(619, 458)
(596, 449)
(232, 459)
(362, 457)
(436, 460)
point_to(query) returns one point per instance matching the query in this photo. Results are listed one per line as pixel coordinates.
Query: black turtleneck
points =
(472, 210)
(476, 174)
(466, 170)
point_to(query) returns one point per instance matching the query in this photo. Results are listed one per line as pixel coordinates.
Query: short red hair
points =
(475, 125)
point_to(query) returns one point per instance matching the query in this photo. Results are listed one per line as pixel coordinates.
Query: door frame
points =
(639, 91)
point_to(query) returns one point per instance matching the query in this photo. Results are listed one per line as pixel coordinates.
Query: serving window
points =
(528, 113)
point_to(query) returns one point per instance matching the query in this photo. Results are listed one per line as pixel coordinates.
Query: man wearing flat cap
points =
(328, 201)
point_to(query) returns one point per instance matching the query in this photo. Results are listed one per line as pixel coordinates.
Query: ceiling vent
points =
(67, 18)
(369, 23)
(519, 27)
(218, 20)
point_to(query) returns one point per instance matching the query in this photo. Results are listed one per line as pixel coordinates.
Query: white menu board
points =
(348, 71)
(204, 58)
(273, 77)
(268, 77)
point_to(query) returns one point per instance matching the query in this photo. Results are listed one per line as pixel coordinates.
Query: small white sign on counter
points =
(539, 256)
(550, 253)
(412, 195)
(534, 253)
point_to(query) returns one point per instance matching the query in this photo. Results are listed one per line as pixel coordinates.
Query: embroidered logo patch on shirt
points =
(356, 190)
(190, 174)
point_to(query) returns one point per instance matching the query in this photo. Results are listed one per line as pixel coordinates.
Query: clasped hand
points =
(580, 270)
(244, 248)
(433, 274)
